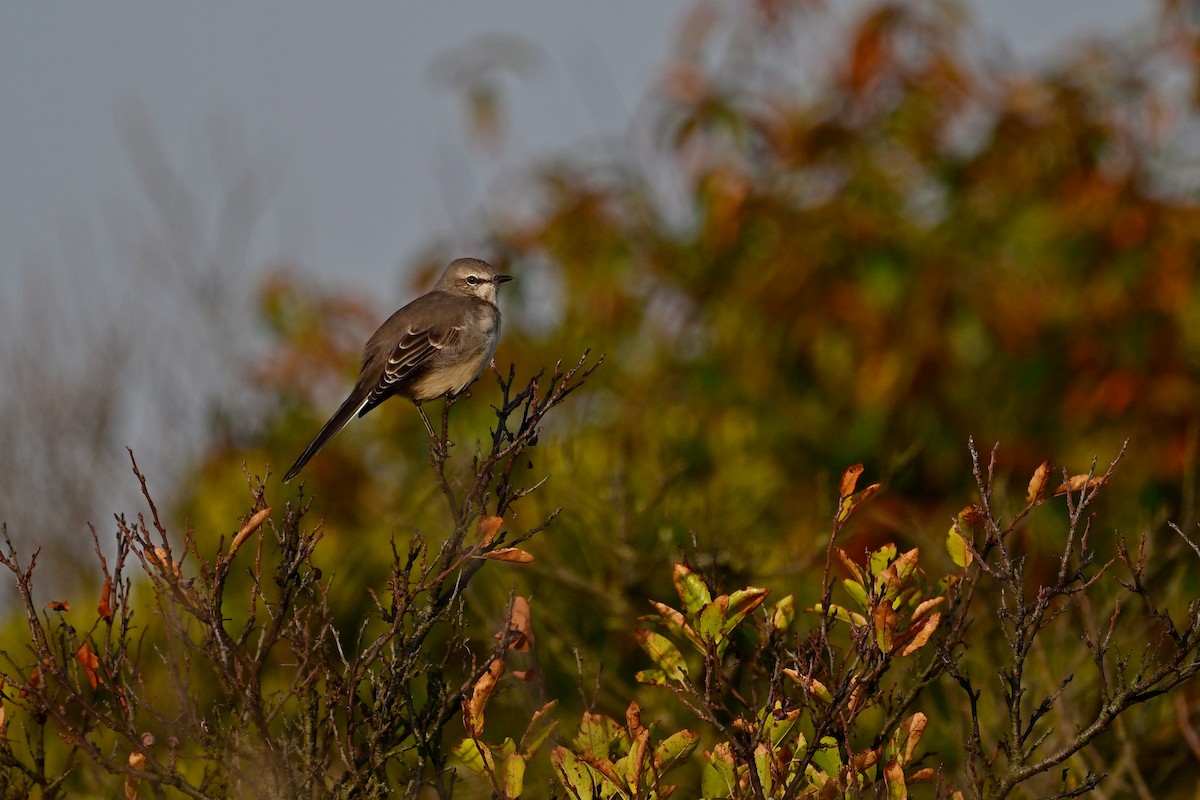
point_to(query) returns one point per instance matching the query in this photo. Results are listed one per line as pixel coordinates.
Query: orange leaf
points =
(35, 678)
(473, 710)
(89, 662)
(488, 528)
(850, 479)
(1037, 484)
(58, 605)
(105, 608)
(513, 554)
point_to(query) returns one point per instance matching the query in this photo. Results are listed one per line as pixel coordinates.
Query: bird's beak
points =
(499, 279)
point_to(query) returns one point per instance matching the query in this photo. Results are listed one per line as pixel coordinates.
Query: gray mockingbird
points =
(434, 346)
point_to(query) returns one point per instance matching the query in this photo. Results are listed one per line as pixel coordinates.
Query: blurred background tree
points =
(792, 267)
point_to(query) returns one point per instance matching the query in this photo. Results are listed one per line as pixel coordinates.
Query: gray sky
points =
(335, 102)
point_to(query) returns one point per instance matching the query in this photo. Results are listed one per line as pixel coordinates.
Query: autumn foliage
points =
(823, 243)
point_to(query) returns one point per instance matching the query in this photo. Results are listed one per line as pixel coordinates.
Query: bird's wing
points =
(410, 353)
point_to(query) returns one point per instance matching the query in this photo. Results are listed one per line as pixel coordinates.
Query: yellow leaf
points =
(957, 547)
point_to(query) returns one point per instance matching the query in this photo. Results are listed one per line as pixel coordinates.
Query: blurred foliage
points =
(794, 264)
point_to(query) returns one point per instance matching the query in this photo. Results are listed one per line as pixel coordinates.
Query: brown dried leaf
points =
(972, 515)
(849, 564)
(1078, 483)
(58, 605)
(1037, 484)
(885, 627)
(633, 719)
(862, 761)
(512, 554)
(522, 623)
(922, 636)
(473, 709)
(252, 524)
(488, 527)
(924, 606)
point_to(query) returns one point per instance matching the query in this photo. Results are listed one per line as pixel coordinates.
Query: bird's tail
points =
(353, 404)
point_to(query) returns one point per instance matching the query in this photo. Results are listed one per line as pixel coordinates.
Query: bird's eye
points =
(471, 279)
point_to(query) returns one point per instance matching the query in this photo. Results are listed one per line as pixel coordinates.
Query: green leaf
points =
(539, 729)
(576, 777)
(514, 775)
(597, 735)
(827, 757)
(711, 624)
(475, 758)
(652, 677)
(784, 614)
(779, 725)
(762, 765)
(718, 778)
(741, 603)
(841, 613)
(674, 750)
(881, 558)
(665, 655)
(956, 546)
(857, 592)
(692, 590)
(674, 621)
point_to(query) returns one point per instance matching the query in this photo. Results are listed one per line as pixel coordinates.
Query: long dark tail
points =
(339, 420)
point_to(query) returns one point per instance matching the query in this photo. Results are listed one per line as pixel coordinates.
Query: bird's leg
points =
(425, 419)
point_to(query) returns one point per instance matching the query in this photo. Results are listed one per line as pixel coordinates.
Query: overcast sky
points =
(335, 104)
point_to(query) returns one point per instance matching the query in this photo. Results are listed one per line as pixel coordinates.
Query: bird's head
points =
(471, 277)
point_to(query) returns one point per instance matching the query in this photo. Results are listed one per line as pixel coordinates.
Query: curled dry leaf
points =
(512, 554)
(252, 524)
(162, 559)
(488, 527)
(633, 719)
(58, 605)
(138, 762)
(1078, 483)
(105, 606)
(473, 709)
(1037, 484)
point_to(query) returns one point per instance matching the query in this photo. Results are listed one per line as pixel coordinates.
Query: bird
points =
(435, 346)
